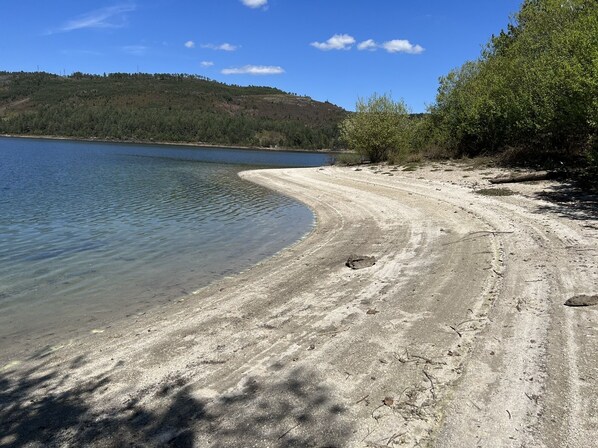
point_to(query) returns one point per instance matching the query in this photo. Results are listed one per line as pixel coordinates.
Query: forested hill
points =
(163, 107)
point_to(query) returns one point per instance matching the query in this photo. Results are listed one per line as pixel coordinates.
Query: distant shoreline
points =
(161, 143)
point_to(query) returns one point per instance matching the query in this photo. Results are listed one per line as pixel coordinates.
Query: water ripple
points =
(92, 232)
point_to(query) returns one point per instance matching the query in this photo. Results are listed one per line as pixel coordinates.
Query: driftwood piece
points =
(523, 178)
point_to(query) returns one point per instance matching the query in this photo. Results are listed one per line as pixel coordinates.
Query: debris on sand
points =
(360, 261)
(582, 300)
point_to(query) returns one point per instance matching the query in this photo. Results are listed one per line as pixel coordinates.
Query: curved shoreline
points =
(432, 345)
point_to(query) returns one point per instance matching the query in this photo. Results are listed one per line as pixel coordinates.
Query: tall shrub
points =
(379, 128)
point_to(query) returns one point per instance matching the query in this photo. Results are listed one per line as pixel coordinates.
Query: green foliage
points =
(163, 107)
(535, 87)
(378, 129)
(347, 159)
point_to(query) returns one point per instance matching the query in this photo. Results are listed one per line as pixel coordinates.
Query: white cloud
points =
(190, 44)
(206, 63)
(369, 44)
(136, 50)
(255, 3)
(254, 70)
(402, 46)
(336, 42)
(222, 47)
(110, 17)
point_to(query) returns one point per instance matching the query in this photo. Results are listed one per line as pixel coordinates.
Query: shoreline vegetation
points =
(529, 99)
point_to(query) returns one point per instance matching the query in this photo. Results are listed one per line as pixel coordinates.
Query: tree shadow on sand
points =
(570, 201)
(39, 407)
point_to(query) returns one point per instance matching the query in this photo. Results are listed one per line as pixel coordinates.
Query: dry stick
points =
(368, 434)
(401, 394)
(394, 437)
(456, 331)
(381, 406)
(298, 424)
(364, 398)
(404, 360)
(428, 360)
(509, 414)
(431, 383)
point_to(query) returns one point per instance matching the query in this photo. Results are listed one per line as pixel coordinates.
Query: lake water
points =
(93, 232)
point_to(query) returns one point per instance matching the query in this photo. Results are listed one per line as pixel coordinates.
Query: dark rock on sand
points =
(360, 261)
(582, 300)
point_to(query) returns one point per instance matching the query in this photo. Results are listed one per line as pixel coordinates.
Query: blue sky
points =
(333, 50)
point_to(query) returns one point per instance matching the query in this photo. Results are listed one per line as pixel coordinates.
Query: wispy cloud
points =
(135, 50)
(402, 46)
(110, 17)
(190, 44)
(206, 63)
(255, 3)
(369, 45)
(336, 42)
(254, 70)
(221, 47)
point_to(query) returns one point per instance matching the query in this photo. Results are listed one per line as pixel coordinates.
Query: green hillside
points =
(163, 107)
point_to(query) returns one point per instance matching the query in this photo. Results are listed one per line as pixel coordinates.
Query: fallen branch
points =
(433, 390)
(456, 331)
(523, 178)
(297, 425)
(364, 398)
(394, 437)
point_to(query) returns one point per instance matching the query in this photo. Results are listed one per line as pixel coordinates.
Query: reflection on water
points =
(93, 232)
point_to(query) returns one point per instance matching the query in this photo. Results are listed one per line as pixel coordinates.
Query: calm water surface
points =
(94, 232)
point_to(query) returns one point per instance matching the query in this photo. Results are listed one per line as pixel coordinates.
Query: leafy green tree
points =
(534, 87)
(379, 128)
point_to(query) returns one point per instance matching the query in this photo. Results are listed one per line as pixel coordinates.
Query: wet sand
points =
(457, 336)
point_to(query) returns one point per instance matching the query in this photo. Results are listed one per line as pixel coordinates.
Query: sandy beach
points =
(457, 336)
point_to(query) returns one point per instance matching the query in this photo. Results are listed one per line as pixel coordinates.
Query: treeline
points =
(163, 107)
(534, 88)
(531, 96)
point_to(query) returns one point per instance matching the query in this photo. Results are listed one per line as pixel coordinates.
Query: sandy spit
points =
(457, 336)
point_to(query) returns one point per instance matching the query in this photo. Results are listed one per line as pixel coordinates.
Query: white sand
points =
(456, 337)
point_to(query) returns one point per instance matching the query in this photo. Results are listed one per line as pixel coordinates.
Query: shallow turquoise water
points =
(90, 233)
